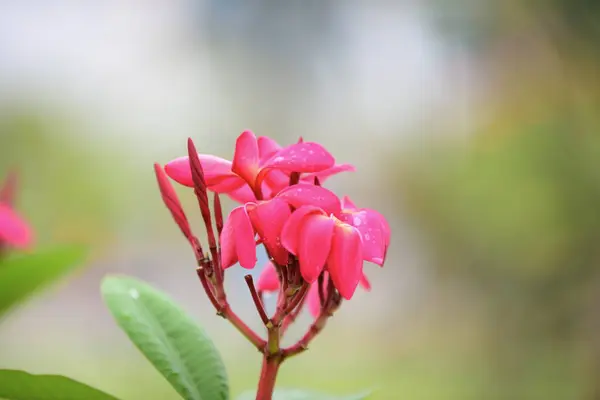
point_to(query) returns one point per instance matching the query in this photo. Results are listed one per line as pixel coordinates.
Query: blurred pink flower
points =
(14, 231)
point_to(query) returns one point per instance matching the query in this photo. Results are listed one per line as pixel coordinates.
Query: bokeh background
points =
(474, 128)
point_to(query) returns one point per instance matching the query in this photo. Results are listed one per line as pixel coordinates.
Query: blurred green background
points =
(474, 128)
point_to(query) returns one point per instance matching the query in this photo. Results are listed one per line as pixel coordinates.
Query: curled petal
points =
(14, 231)
(276, 180)
(268, 219)
(313, 301)
(329, 172)
(216, 170)
(245, 160)
(375, 237)
(268, 281)
(237, 240)
(364, 282)
(267, 147)
(304, 194)
(314, 245)
(242, 195)
(345, 259)
(290, 233)
(302, 157)
(348, 204)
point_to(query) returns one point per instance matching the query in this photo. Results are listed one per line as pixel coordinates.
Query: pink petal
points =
(364, 282)
(268, 218)
(216, 170)
(348, 204)
(241, 195)
(237, 240)
(268, 281)
(276, 180)
(345, 259)
(290, 233)
(329, 172)
(314, 245)
(313, 301)
(305, 194)
(301, 157)
(372, 231)
(245, 159)
(267, 147)
(14, 231)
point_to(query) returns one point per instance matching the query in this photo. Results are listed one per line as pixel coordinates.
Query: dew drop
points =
(357, 221)
(134, 293)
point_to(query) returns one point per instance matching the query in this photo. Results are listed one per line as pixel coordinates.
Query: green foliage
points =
(177, 347)
(299, 394)
(19, 385)
(23, 274)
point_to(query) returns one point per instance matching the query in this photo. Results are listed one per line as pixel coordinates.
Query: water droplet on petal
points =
(357, 221)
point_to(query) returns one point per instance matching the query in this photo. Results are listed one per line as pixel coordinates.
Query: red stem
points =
(256, 299)
(244, 329)
(268, 376)
(226, 312)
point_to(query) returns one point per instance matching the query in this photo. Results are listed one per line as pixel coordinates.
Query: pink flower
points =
(260, 167)
(14, 231)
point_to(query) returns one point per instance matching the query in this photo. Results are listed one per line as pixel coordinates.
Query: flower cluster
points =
(317, 243)
(14, 231)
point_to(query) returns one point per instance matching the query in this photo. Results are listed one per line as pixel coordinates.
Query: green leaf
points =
(23, 274)
(177, 347)
(300, 394)
(20, 385)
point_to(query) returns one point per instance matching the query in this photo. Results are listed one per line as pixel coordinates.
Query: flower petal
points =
(268, 281)
(276, 180)
(375, 237)
(268, 218)
(364, 282)
(242, 195)
(237, 240)
(302, 157)
(329, 172)
(305, 194)
(245, 160)
(345, 259)
(314, 245)
(313, 301)
(14, 231)
(216, 170)
(348, 204)
(290, 233)
(267, 147)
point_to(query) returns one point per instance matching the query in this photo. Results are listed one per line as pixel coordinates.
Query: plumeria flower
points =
(317, 244)
(260, 167)
(14, 231)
